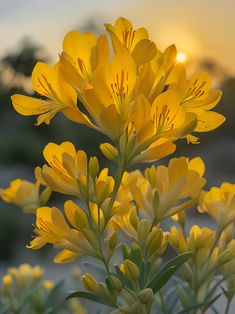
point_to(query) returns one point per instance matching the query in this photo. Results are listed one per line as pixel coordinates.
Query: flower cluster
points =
(142, 100)
(25, 289)
(132, 92)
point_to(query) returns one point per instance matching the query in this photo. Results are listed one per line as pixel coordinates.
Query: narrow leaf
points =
(87, 295)
(165, 273)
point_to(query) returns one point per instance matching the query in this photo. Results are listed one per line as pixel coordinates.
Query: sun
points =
(181, 57)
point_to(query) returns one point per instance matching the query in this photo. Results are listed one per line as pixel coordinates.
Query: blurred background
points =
(31, 31)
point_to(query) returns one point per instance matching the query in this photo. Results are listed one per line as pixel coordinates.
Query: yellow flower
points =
(65, 167)
(198, 97)
(200, 241)
(25, 274)
(60, 97)
(164, 191)
(82, 54)
(219, 203)
(51, 227)
(68, 172)
(158, 124)
(22, 193)
(158, 74)
(110, 97)
(135, 40)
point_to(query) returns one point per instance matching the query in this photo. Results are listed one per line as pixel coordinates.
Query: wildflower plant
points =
(143, 101)
(25, 290)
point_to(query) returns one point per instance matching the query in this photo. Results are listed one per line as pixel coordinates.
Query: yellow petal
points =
(109, 151)
(166, 112)
(198, 87)
(66, 256)
(141, 117)
(208, 121)
(144, 51)
(28, 106)
(70, 72)
(110, 120)
(79, 47)
(156, 151)
(76, 215)
(46, 82)
(198, 165)
(52, 217)
(100, 53)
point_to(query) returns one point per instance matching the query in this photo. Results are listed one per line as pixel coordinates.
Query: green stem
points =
(228, 306)
(162, 303)
(118, 180)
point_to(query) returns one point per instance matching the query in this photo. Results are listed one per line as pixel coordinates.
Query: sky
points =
(198, 28)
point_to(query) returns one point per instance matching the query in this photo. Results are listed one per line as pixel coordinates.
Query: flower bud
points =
(113, 241)
(225, 257)
(109, 151)
(115, 283)
(131, 270)
(48, 284)
(45, 196)
(125, 251)
(37, 272)
(134, 219)
(142, 231)
(90, 283)
(93, 167)
(7, 280)
(154, 240)
(104, 291)
(145, 296)
(151, 175)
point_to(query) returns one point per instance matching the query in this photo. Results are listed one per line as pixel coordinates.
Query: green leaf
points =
(167, 271)
(87, 295)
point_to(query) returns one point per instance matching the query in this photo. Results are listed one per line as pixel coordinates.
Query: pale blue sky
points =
(200, 28)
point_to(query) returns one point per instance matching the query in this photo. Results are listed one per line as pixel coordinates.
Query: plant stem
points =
(162, 303)
(228, 306)
(118, 180)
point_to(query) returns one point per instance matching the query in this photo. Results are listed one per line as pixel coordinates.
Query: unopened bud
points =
(7, 280)
(145, 296)
(113, 241)
(125, 251)
(48, 284)
(94, 167)
(134, 219)
(90, 283)
(115, 283)
(131, 270)
(104, 291)
(37, 272)
(225, 257)
(109, 151)
(154, 240)
(143, 231)
(45, 196)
